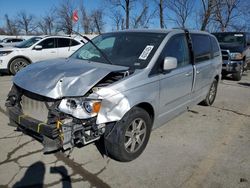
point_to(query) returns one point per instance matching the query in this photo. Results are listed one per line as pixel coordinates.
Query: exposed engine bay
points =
(60, 123)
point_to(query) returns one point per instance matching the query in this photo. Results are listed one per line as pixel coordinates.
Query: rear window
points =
(201, 47)
(215, 47)
(65, 42)
(230, 38)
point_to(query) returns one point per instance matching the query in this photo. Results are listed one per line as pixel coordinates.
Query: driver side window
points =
(177, 47)
(48, 43)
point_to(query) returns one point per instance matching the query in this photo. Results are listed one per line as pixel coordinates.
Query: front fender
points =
(115, 106)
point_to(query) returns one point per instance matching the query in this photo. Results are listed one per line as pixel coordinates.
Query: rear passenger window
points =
(201, 47)
(17, 40)
(177, 47)
(48, 43)
(215, 47)
(64, 42)
(74, 42)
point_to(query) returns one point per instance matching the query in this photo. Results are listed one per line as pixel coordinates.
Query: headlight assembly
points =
(236, 56)
(80, 108)
(4, 53)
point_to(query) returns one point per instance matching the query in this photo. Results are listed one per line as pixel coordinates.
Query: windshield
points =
(131, 49)
(5, 40)
(235, 38)
(29, 42)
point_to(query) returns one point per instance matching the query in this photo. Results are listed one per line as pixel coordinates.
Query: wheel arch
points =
(148, 108)
(19, 56)
(217, 77)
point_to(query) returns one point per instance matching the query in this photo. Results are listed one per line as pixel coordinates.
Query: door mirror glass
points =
(38, 47)
(170, 63)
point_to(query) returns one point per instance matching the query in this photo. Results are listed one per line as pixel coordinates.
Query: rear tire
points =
(17, 64)
(209, 100)
(223, 76)
(128, 139)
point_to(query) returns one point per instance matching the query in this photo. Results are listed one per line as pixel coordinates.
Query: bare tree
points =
(2, 31)
(226, 12)
(182, 9)
(26, 22)
(208, 10)
(85, 19)
(64, 14)
(11, 27)
(97, 21)
(126, 6)
(47, 23)
(118, 20)
(142, 19)
(244, 12)
(160, 7)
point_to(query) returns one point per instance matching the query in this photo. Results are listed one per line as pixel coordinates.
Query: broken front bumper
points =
(49, 134)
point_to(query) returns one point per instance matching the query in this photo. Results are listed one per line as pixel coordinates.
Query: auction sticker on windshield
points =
(144, 55)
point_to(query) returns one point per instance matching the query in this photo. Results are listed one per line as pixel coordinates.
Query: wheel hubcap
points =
(212, 93)
(135, 135)
(19, 65)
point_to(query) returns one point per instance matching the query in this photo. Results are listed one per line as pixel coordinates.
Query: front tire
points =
(209, 100)
(130, 135)
(237, 76)
(17, 64)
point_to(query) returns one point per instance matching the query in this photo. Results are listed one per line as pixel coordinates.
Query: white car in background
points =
(6, 42)
(36, 49)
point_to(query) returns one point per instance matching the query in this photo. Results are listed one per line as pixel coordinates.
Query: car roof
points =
(11, 38)
(61, 36)
(57, 36)
(166, 31)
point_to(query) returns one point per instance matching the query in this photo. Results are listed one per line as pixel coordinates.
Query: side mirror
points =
(38, 47)
(169, 64)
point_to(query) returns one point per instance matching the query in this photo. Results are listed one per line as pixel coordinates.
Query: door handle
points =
(52, 52)
(198, 72)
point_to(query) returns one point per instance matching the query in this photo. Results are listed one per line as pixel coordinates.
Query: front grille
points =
(35, 109)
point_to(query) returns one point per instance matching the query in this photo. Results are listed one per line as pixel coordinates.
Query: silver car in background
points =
(116, 89)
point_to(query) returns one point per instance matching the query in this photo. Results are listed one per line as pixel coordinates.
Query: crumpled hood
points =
(63, 77)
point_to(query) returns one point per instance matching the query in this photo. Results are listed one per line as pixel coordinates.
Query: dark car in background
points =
(235, 48)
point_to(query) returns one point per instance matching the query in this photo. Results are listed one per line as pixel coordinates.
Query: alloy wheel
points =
(135, 135)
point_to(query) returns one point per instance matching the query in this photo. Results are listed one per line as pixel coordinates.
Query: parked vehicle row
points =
(7, 42)
(118, 87)
(235, 47)
(36, 49)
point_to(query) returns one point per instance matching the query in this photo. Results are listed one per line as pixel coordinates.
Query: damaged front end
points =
(60, 130)
(59, 123)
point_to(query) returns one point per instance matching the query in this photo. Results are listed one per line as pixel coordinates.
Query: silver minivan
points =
(115, 89)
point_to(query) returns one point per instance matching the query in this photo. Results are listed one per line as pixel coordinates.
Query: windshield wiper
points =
(102, 52)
